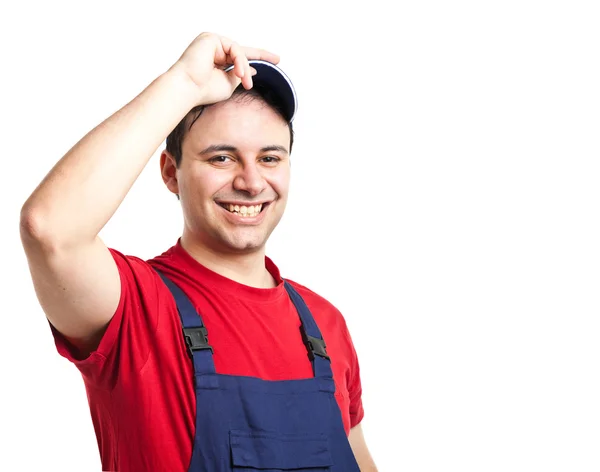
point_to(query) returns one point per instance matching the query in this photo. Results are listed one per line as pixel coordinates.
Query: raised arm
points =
(75, 277)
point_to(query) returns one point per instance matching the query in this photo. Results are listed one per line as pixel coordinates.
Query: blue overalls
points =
(249, 424)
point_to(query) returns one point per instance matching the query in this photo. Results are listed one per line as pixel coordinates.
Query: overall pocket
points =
(259, 450)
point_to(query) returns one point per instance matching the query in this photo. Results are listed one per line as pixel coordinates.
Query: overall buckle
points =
(314, 346)
(196, 339)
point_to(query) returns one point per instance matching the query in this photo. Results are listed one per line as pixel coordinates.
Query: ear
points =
(168, 170)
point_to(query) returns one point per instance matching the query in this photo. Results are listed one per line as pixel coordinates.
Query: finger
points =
(247, 81)
(221, 50)
(250, 52)
(241, 65)
(232, 53)
(236, 53)
(263, 54)
(238, 57)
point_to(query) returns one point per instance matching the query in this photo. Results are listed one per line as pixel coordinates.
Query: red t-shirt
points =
(139, 380)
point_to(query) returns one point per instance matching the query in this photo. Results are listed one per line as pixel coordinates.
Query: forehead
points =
(245, 122)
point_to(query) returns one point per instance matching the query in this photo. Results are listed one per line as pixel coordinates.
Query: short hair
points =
(257, 92)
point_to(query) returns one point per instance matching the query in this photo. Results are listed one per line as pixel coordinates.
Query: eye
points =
(219, 159)
(270, 159)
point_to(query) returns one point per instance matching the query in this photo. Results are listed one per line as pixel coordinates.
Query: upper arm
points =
(360, 450)
(78, 288)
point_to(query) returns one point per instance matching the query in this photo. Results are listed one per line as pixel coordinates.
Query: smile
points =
(243, 210)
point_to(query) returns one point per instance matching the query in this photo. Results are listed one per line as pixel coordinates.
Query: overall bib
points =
(249, 424)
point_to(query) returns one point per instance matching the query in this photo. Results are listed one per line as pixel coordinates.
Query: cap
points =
(272, 77)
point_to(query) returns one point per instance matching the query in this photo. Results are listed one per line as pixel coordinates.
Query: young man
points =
(264, 374)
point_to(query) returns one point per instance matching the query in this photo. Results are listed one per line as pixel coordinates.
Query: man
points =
(264, 375)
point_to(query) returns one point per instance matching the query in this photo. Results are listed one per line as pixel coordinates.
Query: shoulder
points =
(321, 308)
(135, 271)
(124, 260)
(310, 295)
(144, 269)
(142, 288)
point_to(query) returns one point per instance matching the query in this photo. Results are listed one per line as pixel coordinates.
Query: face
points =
(234, 175)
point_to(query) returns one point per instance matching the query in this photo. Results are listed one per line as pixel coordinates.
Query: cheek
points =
(202, 186)
(280, 182)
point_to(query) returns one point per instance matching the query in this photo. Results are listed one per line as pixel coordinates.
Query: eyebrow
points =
(228, 148)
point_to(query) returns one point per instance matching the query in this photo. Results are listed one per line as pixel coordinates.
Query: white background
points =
(445, 198)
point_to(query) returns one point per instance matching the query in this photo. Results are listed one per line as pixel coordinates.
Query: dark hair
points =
(257, 92)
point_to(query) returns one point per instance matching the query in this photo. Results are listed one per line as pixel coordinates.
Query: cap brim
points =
(273, 78)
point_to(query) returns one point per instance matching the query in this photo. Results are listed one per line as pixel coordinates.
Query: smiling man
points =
(234, 181)
(203, 358)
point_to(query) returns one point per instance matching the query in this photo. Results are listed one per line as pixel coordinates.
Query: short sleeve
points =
(125, 345)
(355, 389)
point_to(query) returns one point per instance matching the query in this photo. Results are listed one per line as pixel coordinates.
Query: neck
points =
(244, 268)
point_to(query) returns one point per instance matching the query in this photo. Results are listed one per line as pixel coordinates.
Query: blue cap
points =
(272, 77)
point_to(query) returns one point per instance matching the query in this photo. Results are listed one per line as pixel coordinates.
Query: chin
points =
(244, 245)
(246, 248)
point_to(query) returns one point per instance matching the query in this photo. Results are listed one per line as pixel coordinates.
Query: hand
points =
(205, 58)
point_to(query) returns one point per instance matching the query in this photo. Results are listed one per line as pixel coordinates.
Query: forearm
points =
(360, 450)
(84, 189)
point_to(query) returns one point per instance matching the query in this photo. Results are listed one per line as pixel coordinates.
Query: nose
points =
(249, 180)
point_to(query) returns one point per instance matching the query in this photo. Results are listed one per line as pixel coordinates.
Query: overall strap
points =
(194, 332)
(311, 335)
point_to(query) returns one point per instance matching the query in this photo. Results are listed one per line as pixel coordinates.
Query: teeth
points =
(244, 210)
